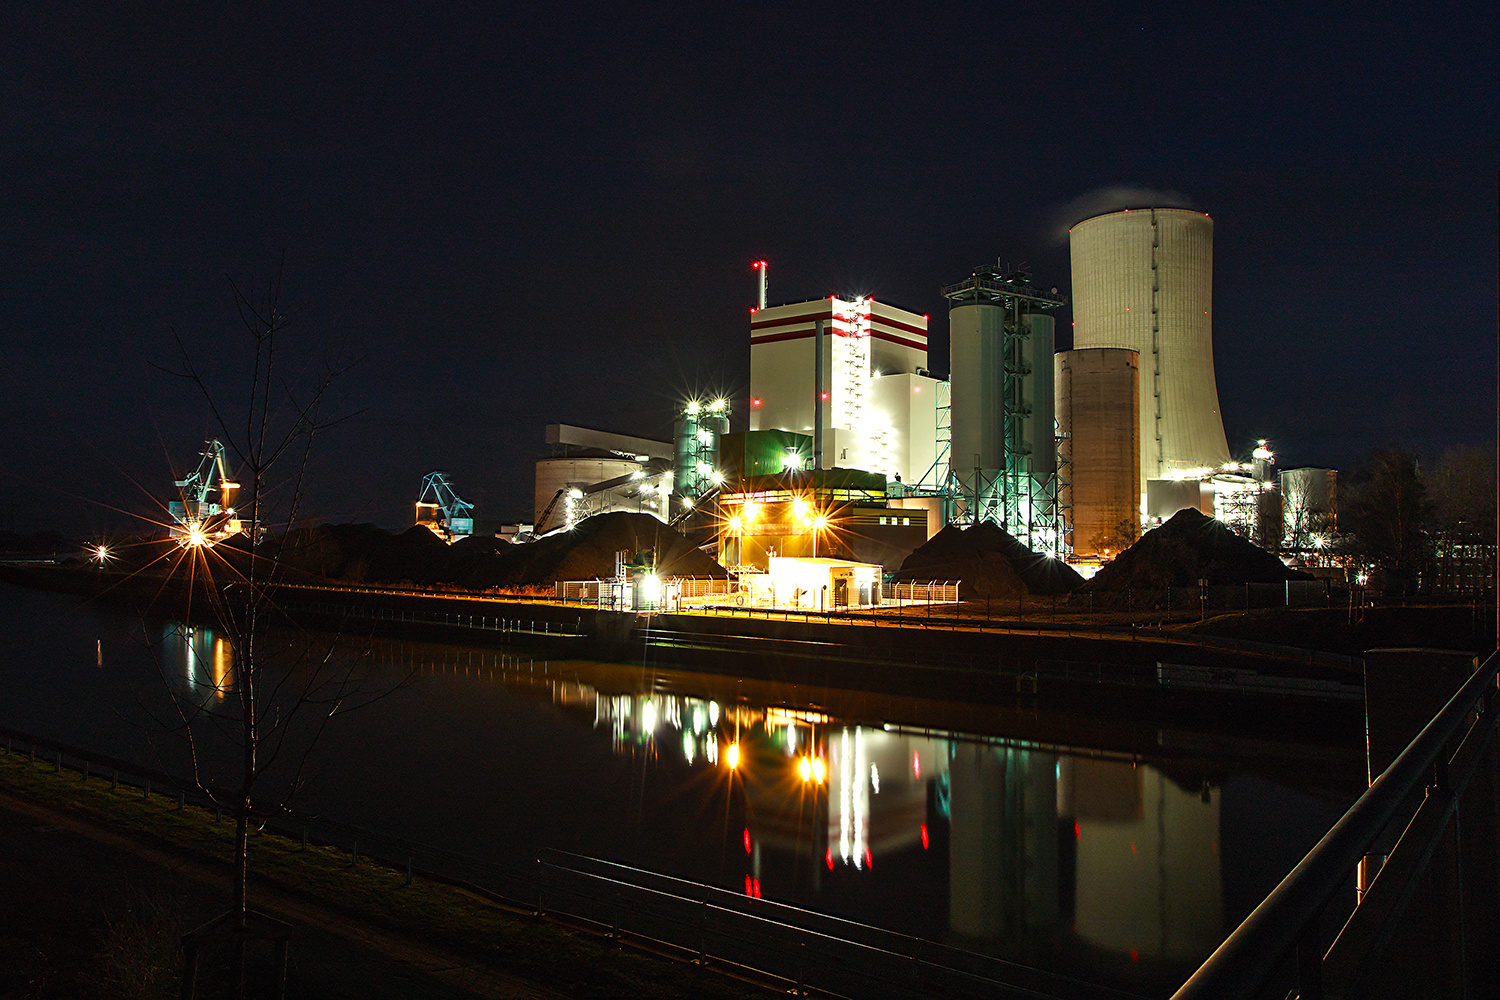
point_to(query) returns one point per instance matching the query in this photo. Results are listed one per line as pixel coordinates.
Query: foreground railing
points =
(1286, 924)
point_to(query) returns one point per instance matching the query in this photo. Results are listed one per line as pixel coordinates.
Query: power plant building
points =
(1143, 281)
(850, 373)
(1098, 430)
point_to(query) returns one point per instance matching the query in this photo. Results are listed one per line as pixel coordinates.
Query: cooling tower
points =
(1143, 281)
(1098, 427)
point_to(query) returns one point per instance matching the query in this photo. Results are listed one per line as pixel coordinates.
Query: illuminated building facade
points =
(851, 374)
(834, 513)
(700, 425)
(1143, 281)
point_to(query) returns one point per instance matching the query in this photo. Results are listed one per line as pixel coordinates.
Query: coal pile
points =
(1190, 547)
(588, 552)
(363, 553)
(988, 562)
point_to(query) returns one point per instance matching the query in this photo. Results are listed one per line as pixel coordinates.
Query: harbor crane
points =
(204, 511)
(440, 509)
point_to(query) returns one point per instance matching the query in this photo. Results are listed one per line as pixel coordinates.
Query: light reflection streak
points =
(986, 811)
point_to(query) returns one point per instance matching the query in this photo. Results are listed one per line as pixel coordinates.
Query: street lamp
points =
(818, 524)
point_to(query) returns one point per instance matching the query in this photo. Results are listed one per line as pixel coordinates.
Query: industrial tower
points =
(1003, 451)
(1143, 280)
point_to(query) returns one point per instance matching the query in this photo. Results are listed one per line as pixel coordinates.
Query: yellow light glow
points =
(800, 508)
(732, 756)
(804, 768)
(751, 510)
(735, 524)
(223, 664)
(196, 537)
(820, 522)
(818, 770)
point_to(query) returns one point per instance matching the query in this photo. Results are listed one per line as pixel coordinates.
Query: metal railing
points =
(449, 619)
(806, 951)
(932, 592)
(1285, 924)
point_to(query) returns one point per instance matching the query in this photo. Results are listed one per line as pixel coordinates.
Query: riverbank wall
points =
(924, 652)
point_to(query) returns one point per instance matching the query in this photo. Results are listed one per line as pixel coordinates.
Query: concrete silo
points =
(1003, 451)
(1098, 427)
(1143, 281)
(698, 429)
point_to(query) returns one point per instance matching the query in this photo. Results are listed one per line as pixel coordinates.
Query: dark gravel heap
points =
(363, 553)
(988, 562)
(1189, 547)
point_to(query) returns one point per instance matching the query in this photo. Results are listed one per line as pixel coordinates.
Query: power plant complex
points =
(855, 452)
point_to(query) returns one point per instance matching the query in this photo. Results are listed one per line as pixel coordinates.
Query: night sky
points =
(513, 219)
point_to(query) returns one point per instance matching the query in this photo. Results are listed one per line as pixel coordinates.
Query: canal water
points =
(1116, 850)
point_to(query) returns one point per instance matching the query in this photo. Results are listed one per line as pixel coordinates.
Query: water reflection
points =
(199, 658)
(1023, 840)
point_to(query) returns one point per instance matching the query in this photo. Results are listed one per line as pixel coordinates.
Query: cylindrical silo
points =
(976, 338)
(697, 433)
(1098, 426)
(1309, 505)
(1040, 430)
(1143, 281)
(553, 474)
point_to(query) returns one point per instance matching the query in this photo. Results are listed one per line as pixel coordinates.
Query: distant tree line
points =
(1426, 531)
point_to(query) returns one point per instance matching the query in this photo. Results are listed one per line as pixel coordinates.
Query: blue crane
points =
(201, 519)
(455, 520)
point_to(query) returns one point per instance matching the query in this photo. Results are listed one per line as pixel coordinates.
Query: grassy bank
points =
(571, 962)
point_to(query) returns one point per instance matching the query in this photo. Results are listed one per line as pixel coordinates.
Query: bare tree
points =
(261, 701)
(1462, 485)
(1383, 514)
(1307, 513)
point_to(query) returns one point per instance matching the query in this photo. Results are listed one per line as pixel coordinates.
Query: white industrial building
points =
(852, 373)
(593, 472)
(1143, 281)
